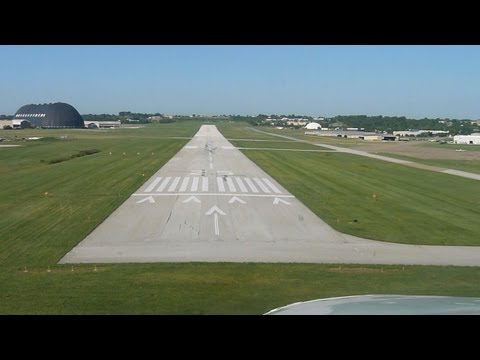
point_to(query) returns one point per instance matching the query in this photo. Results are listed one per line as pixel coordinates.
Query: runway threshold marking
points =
(225, 182)
(153, 184)
(216, 194)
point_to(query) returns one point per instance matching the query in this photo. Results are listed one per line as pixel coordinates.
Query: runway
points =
(211, 203)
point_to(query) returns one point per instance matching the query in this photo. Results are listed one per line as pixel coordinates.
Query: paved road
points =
(211, 203)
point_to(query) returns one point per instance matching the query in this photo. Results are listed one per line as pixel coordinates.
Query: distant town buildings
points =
(415, 132)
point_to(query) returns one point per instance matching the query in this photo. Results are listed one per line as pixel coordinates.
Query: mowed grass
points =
(214, 288)
(241, 130)
(464, 165)
(48, 208)
(276, 145)
(379, 200)
(36, 230)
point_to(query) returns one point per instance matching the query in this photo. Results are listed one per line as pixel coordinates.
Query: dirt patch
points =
(419, 150)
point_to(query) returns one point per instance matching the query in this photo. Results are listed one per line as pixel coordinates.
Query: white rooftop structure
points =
(473, 139)
(313, 126)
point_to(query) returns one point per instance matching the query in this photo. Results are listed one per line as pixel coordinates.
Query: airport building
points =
(473, 139)
(102, 124)
(56, 115)
(351, 134)
(313, 126)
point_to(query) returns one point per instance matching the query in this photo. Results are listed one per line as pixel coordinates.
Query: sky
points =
(414, 81)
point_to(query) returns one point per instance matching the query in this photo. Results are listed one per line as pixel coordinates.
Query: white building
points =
(102, 124)
(418, 132)
(313, 126)
(467, 139)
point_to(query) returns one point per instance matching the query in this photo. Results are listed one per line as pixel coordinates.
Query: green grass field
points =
(276, 145)
(411, 205)
(215, 288)
(37, 230)
(82, 191)
(472, 166)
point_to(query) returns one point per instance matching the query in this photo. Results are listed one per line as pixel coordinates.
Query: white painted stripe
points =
(205, 184)
(194, 184)
(215, 219)
(153, 184)
(221, 187)
(215, 194)
(163, 185)
(250, 184)
(262, 186)
(184, 184)
(230, 184)
(241, 185)
(174, 184)
(271, 185)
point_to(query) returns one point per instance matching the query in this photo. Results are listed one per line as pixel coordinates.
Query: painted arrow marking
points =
(277, 200)
(215, 210)
(149, 198)
(191, 198)
(233, 199)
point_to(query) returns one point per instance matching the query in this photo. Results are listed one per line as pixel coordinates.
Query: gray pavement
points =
(211, 203)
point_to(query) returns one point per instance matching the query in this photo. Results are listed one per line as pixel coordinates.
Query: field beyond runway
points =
(211, 203)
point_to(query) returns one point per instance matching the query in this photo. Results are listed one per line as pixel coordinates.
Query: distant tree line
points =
(395, 123)
(369, 123)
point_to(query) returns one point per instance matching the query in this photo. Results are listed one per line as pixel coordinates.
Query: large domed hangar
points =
(56, 115)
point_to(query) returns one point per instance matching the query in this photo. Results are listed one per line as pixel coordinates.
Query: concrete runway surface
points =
(211, 203)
